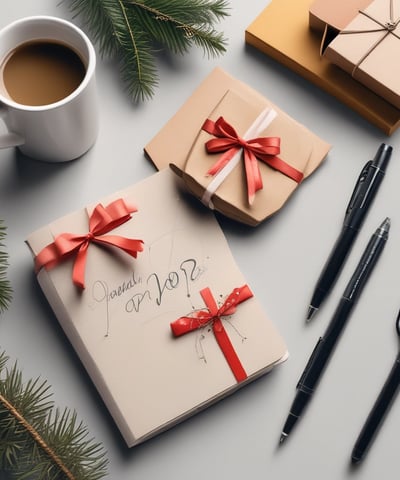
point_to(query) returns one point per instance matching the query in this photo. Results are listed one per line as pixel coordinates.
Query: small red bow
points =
(265, 149)
(212, 316)
(102, 220)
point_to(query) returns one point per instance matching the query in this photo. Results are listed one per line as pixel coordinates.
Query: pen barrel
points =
(334, 264)
(366, 265)
(323, 349)
(378, 412)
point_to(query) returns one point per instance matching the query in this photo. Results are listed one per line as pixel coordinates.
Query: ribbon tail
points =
(222, 161)
(243, 293)
(63, 246)
(283, 167)
(78, 271)
(129, 245)
(183, 325)
(253, 175)
(228, 351)
(180, 326)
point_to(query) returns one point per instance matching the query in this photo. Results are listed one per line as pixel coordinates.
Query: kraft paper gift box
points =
(282, 32)
(220, 95)
(155, 332)
(334, 14)
(368, 47)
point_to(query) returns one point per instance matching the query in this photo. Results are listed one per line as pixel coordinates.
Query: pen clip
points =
(358, 187)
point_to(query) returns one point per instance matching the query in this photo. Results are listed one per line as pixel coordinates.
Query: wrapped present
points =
(334, 14)
(236, 151)
(299, 50)
(366, 48)
(149, 295)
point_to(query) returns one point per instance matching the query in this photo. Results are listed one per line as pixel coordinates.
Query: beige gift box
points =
(299, 50)
(119, 324)
(367, 49)
(182, 142)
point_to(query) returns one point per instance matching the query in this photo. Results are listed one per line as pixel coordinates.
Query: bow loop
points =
(102, 220)
(229, 143)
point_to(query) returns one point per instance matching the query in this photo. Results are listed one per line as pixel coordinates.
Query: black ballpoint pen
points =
(379, 410)
(326, 344)
(363, 194)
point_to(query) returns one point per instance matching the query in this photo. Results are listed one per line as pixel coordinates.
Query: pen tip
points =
(311, 312)
(283, 438)
(356, 456)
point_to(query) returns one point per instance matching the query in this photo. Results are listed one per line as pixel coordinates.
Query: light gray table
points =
(282, 258)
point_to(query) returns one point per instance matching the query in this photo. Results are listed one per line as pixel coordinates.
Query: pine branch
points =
(182, 27)
(5, 287)
(40, 442)
(133, 30)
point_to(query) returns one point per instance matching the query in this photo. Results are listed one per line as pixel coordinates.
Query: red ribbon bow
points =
(101, 221)
(212, 316)
(265, 149)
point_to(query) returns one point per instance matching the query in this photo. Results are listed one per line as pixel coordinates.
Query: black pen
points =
(325, 345)
(363, 194)
(379, 410)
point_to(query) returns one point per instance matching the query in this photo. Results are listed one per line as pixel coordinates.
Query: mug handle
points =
(9, 139)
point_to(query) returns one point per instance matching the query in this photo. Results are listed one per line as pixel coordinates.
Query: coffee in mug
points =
(48, 98)
(41, 72)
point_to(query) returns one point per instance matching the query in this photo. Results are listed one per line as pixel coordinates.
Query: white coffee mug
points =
(63, 130)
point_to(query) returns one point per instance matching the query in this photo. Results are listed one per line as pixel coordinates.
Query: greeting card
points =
(148, 293)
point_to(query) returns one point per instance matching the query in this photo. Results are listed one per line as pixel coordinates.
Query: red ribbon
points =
(212, 316)
(101, 221)
(265, 149)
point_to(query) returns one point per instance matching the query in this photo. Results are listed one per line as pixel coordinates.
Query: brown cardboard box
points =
(334, 13)
(282, 32)
(181, 143)
(368, 50)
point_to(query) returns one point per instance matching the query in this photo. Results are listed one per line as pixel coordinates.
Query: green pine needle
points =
(134, 30)
(39, 442)
(5, 287)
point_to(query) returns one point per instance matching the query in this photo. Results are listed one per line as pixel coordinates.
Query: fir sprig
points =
(134, 30)
(5, 287)
(40, 442)
(37, 441)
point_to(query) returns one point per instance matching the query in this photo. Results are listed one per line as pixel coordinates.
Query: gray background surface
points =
(282, 258)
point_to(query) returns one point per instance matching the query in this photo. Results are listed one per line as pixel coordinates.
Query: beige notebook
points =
(120, 322)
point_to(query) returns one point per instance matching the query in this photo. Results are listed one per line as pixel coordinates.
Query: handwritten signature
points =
(152, 290)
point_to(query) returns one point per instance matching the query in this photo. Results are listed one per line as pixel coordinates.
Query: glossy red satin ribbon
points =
(265, 149)
(101, 221)
(212, 317)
